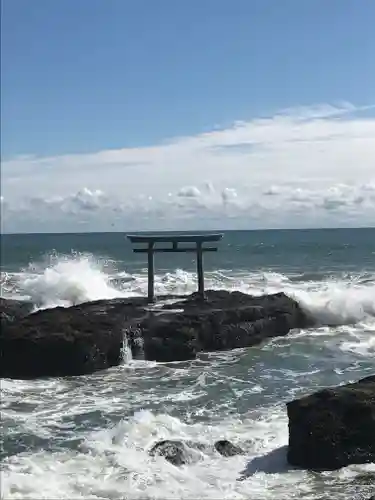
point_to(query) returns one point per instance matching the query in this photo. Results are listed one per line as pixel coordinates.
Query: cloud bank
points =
(303, 167)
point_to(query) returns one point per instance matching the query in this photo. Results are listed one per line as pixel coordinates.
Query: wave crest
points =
(64, 280)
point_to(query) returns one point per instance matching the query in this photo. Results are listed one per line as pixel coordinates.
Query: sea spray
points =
(126, 352)
(65, 280)
(91, 435)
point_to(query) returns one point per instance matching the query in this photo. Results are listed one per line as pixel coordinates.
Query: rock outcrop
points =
(334, 427)
(66, 341)
(227, 449)
(175, 451)
(179, 452)
(12, 310)
(223, 321)
(88, 337)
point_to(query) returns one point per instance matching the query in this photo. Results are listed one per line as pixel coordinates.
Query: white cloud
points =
(302, 167)
(189, 192)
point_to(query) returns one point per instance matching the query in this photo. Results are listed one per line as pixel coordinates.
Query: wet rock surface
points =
(334, 427)
(228, 449)
(66, 341)
(179, 452)
(174, 451)
(12, 310)
(88, 337)
(223, 321)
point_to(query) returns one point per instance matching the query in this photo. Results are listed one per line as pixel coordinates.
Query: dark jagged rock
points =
(223, 321)
(12, 310)
(67, 341)
(227, 449)
(180, 452)
(175, 451)
(88, 337)
(334, 427)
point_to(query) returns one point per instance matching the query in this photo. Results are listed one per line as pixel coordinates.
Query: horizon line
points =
(326, 228)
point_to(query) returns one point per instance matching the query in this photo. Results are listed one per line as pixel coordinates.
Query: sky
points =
(201, 114)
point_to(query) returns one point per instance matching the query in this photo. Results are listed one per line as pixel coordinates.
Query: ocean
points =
(87, 437)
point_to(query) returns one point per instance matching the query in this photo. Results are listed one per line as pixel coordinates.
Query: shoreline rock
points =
(88, 337)
(333, 427)
(180, 452)
(12, 310)
(224, 321)
(70, 341)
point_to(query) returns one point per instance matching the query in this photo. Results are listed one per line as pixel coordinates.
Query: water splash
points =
(65, 280)
(114, 463)
(70, 279)
(126, 352)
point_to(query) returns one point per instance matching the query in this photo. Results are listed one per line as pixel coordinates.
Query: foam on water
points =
(336, 300)
(66, 280)
(126, 350)
(95, 432)
(113, 463)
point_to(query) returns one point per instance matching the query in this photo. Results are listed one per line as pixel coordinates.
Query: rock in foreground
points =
(184, 452)
(62, 341)
(88, 337)
(227, 449)
(334, 427)
(13, 310)
(176, 452)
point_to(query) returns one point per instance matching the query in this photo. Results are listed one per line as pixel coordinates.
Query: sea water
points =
(88, 437)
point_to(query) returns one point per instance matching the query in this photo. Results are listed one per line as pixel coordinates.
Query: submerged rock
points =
(88, 337)
(334, 427)
(179, 452)
(227, 449)
(175, 451)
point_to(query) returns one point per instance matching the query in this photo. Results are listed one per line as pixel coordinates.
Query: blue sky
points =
(83, 75)
(127, 108)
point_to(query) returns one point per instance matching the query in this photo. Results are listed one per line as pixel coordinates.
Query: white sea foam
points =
(113, 463)
(126, 350)
(338, 302)
(345, 303)
(141, 402)
(66, 280)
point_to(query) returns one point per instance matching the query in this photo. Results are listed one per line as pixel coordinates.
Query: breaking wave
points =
(64, 280)
(90, 436)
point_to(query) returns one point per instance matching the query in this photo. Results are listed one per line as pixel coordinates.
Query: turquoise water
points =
(90, 435)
